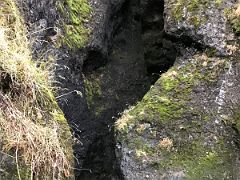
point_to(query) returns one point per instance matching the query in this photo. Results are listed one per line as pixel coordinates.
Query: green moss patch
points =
(195, 7)
(167, 99)
(93, 90)
(167, 132)
(76, 13)
(199, 161)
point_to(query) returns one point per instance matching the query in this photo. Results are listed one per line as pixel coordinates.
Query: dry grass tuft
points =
(31, 124)
(34, 145)
(166, 144)
(123, 121)
(237, 12)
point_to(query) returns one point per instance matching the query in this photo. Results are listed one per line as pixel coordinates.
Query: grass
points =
(33, 130)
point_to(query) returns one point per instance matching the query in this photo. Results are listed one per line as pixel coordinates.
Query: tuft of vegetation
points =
(233, 15)
(92, 89)
(75, 13)
(33, 130)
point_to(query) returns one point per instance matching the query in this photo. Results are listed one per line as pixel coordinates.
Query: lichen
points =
(75, 14)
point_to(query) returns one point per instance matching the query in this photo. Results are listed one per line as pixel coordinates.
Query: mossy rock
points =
(173, 135)
(202, 21)
(75, 14)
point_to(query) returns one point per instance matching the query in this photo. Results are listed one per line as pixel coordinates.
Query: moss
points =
(25, 173)
(213, 164)
(22, 172)
(142, 149)
(234, 120)
(199, 161)
(211, 52)
(98, 111)
(167, 99)
(58, 116)
(196, 21)
(195, 8)
(93, 90)
(192, 6)
(206, 167)
(75, 13)
(218, 2)
(195, 159)
(177, 11)
(166, 108)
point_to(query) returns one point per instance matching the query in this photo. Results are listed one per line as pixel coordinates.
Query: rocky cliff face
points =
(181, 55)
(185, 127)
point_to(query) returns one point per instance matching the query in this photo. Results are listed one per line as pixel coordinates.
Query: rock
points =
(176, 130)
(202, 148)
(72, 61)
(202, 21)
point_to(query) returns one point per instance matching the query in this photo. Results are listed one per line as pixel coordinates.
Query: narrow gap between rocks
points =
(140, 53)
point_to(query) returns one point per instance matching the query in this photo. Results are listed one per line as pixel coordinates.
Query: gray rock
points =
(205, 22)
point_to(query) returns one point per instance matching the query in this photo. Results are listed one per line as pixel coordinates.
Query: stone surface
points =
(188, 136)
(186, 126)
(183, 127)
(202, 21)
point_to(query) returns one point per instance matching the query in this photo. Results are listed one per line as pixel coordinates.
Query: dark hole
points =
(41, 15)
(93, 61)
(5, 82)
(51, 32)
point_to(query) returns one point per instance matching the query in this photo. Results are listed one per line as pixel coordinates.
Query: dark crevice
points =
(93, 61)
(159, 51)
(186, 41)
(138, 54)
(5, 81)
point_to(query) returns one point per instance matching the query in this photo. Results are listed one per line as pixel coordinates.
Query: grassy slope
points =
(34, 135)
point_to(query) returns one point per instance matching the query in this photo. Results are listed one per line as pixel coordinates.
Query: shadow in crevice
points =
(139, 54)
(159, 51)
